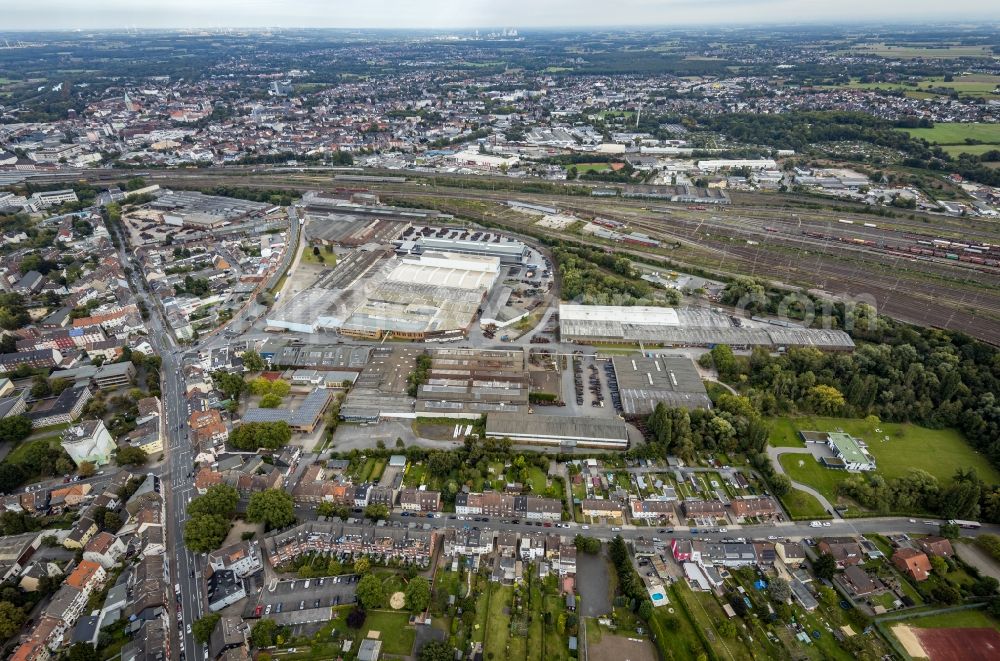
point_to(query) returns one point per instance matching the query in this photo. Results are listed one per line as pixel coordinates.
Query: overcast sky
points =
(62, 14)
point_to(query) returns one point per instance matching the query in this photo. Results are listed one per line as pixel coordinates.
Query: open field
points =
(951, 133)
(592, 167)
(940, 452)
(912, 51)
(970, 85)
(976, 150)
(396, 634)
(803, 505)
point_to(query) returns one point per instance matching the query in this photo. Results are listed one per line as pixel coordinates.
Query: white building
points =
(88, 441)
(242, 558)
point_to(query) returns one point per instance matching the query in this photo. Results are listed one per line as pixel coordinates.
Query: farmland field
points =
(955, 133)
(977, 150)
(914, 51)
(591, 167)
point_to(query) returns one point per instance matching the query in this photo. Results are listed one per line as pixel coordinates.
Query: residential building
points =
(242, 558)
(224, 588)
(845, 550)
(934, 545)
(105, 549)
(89, 441)
(913, 563)
(417, 500)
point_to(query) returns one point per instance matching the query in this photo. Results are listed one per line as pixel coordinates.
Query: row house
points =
(417, 500)
(599, 508)
(494, 503)
(206, 478)
(105, 549)
(651, 509)
(467, 542)
(208, 425)
(695, 509)
(353, 539)
(760, 507)
(44, 637)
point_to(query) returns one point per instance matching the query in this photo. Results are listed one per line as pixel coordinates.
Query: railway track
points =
(922, 291)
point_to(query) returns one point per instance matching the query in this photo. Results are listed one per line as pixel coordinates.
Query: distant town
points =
(499, 344)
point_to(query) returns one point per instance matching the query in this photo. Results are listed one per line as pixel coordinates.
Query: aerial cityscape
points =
(448, 331)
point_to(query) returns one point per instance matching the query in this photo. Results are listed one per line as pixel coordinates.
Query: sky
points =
(453, 14)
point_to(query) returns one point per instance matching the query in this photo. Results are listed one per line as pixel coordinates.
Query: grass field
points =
(976, 150)
(592, 167)
(396, 633)
(802, 505)
(968, 618)
(329, 258)
(952, 133)
(914, 51)
(940, 452)
(498, 623)
(784, 434)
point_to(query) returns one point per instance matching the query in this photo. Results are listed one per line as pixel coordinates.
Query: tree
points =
(356, 618)
(129, 455)
(254, 435)
(376, 511)
(270, 401)
(646, 609)
(264, 633)
(11, 619)
(370, 592)
(437, 650)
(362, 565)
(203, 627)
(252, 361)
(938, 565)
(280, 387)
(82, 652)
(218, 499)
(825, 566)
(825, 400)
(40, 387)
(779, 590)
(273, 507)
(231, 385)
(64, 465)
(949, 530)
(780, 484)
(418, 595)
(15, 429)
(205, 532)
(87, 468)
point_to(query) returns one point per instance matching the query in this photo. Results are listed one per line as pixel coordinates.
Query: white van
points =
(306, 585)
(815, 524)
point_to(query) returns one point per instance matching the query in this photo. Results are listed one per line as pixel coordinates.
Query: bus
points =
(971, 525)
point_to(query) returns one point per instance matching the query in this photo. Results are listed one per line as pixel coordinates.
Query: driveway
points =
(774, 453)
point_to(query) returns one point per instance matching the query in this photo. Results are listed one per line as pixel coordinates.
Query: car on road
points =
(826, 524)
(189, 629)
(302, 604)
(815, 524)
(257, 611)
(267, 611)
(772, 537)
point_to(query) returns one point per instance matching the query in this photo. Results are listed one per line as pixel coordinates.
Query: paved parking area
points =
(592, 583)
(300, 596)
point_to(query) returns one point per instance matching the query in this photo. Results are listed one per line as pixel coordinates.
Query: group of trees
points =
(270, 392)
(897, 373)
(371, 593)
(732, 426)
(272, 507)
(630, 584)
(583, 274)
(918, 491)
(209, 518)
(254, 435)
(419, 375)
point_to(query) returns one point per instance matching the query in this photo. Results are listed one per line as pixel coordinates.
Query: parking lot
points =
(299, 596)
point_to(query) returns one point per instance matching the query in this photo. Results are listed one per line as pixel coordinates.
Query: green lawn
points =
(498, 623)
(953, 133)
(940, 452)
(977, 150)
(784, 434)
(801, 505)
(396, 633)
(329, 259)
(537, 479)
(967, 618)
(591, 167)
